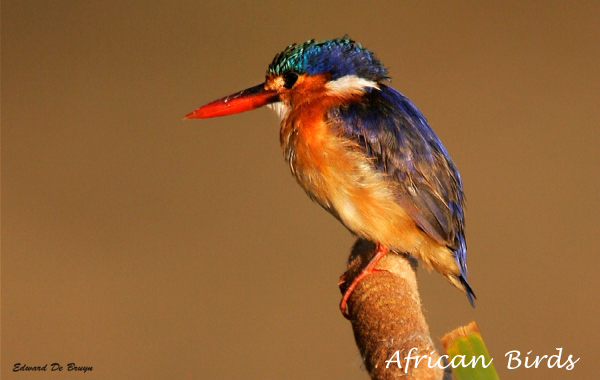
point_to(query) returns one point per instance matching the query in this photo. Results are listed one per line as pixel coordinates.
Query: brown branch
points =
(387, 318)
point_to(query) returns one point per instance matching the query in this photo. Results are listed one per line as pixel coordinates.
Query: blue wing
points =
(401, 143)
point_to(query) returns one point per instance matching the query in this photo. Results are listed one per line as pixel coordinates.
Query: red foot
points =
(369, 269)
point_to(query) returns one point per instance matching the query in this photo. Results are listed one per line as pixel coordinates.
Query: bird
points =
(364, 152)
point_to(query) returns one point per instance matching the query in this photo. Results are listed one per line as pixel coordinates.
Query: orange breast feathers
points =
(337, 174)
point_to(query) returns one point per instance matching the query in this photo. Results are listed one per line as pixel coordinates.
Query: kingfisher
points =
(364, 152)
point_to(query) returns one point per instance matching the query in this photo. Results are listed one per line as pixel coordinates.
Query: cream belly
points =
(344, 181)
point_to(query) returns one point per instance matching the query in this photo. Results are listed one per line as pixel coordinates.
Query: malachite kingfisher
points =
(364, 152)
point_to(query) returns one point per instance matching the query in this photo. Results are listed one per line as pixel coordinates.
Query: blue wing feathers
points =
(396, 135)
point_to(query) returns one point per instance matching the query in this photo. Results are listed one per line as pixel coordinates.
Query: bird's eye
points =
(290, 78)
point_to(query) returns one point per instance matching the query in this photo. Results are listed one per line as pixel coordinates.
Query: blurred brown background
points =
(152, 248)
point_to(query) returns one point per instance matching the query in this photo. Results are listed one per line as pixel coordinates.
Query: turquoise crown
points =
(338, 57)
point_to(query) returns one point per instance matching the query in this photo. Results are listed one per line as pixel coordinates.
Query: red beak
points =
(247, 100)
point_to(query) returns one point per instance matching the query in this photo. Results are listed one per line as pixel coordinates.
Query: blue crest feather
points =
(339, 57)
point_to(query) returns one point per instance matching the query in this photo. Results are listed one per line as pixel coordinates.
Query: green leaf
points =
(468, 355)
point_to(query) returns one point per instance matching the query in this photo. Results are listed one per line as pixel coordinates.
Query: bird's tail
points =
(460, 281)
(460, 278)
(467, 289)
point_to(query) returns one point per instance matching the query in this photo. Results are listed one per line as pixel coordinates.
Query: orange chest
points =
(308, 140)
(324, 163)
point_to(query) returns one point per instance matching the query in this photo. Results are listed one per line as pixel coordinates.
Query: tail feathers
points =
(467, 289)
(461, 283)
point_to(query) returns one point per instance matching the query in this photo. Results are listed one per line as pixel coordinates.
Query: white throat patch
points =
(281, 109)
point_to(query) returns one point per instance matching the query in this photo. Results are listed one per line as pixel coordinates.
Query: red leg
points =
(382, 250)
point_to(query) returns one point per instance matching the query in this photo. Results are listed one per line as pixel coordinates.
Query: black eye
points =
(290, 78)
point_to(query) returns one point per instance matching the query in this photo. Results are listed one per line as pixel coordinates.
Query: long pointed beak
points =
(247, 100)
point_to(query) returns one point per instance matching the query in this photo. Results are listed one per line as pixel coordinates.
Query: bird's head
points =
(339, 68)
